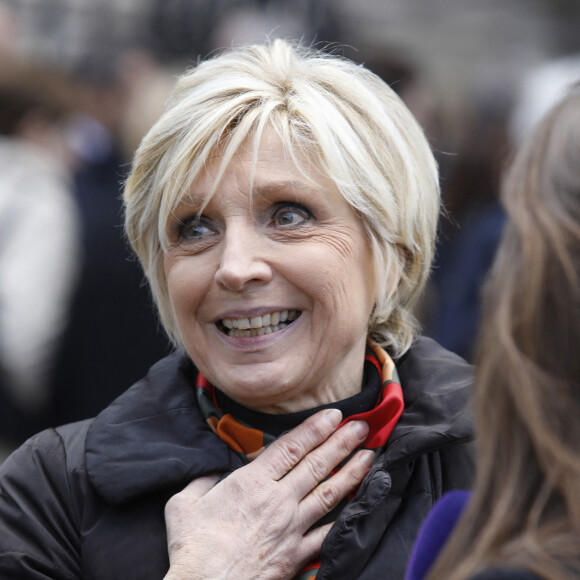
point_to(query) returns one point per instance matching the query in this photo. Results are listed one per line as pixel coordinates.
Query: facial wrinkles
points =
(336, 234)
(340, 239)
(318, 268)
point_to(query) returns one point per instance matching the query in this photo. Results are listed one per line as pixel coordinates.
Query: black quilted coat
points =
(85, 501)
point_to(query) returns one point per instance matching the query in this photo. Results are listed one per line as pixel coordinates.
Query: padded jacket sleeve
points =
(38, 537)
(458, 466)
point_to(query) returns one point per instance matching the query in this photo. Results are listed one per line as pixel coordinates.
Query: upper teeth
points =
(270, 319)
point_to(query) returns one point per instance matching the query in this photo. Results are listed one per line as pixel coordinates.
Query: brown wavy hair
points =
(525, 509)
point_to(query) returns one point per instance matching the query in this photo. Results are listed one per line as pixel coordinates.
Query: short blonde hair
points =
(339, 116)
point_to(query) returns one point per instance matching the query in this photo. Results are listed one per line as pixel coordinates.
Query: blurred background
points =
(82, 80)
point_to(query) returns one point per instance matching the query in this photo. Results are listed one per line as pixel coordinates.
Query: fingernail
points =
(366, 457)
(361, 429)
(334, 417)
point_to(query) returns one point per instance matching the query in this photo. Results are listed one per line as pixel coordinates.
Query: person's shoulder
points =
(45, 480)
(60, 448)
(426, 356)
(505, 573)
(428, 369)
(436, 385)
(437, 416)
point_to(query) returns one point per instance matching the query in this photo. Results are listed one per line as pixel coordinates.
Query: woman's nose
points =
(242, 261)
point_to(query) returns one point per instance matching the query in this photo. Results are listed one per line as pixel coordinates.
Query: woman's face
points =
(272, 293)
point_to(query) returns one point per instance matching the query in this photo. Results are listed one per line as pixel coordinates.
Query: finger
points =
(285, 453)
(200, 486)
(320, 462)
(312, 543)
(189, 495)
(325, 497)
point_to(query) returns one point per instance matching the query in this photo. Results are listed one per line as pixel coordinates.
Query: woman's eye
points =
(291, 216)
(195, 229)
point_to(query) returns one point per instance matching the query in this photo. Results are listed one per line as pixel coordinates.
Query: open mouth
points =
(258, 325)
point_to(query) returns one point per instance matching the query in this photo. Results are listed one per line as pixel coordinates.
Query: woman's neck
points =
(276, 424)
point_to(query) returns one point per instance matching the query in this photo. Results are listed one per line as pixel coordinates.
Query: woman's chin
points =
(263, 385)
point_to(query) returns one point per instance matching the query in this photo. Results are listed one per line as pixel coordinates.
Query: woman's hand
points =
(254, 524)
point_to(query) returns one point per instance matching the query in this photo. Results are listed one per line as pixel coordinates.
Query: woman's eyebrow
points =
(267, 188)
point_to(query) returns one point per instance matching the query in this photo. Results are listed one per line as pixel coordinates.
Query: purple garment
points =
(434, 532)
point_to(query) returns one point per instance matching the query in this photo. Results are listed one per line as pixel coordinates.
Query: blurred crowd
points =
(77, 325)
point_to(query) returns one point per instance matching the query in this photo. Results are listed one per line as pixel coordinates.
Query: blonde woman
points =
(284, 208)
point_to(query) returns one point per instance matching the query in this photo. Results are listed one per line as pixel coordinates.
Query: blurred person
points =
(112, 336)
(523, 518)
(473, 224)
(302, 428)
(39, 239)
(499, 119)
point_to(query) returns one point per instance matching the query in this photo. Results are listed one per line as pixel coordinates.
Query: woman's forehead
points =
(259, 167)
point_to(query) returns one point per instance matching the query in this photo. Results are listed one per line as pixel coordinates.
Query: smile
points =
(258, 325)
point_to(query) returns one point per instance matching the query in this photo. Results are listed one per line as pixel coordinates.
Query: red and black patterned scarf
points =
(249, 442)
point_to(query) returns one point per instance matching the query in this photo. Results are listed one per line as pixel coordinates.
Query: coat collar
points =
(437, 387)
(154, 436)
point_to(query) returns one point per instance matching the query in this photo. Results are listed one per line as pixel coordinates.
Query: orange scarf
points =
(250, 442)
